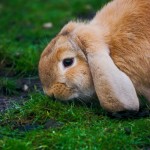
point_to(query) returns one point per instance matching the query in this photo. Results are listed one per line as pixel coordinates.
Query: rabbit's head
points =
(63, 67)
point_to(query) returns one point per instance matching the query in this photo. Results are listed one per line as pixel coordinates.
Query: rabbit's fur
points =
(111, 57)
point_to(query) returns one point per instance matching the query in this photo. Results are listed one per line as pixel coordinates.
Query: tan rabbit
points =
(109, 56)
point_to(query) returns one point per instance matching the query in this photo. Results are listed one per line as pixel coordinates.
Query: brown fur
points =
(123, 25)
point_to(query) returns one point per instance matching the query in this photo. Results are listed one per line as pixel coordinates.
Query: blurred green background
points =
(22, 32)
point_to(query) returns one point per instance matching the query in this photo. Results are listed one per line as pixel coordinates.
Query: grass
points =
(40, 123)
(8, 86)
(81, 127)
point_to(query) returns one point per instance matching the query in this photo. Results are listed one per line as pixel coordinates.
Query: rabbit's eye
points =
(68, 62)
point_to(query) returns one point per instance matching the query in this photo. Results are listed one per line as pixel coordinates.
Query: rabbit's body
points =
(112, 50)
(126, 28)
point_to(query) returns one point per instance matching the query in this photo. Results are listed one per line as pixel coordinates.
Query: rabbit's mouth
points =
(60, 91)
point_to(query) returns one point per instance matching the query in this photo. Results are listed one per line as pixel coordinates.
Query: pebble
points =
(47, 25)
(25, 87)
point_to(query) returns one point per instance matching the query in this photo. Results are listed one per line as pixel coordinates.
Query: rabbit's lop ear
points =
(113, 87)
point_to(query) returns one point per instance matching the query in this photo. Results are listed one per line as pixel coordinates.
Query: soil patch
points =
(24, 87)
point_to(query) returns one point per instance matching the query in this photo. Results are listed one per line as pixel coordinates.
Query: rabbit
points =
(108, 56)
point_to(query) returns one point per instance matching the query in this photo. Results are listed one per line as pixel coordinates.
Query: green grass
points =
(81, 127)
(8, 86)
(76, 125)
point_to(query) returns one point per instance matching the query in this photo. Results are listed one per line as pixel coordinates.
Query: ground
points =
(29, 119)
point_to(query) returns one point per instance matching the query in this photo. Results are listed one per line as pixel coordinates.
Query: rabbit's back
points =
(126, 26)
